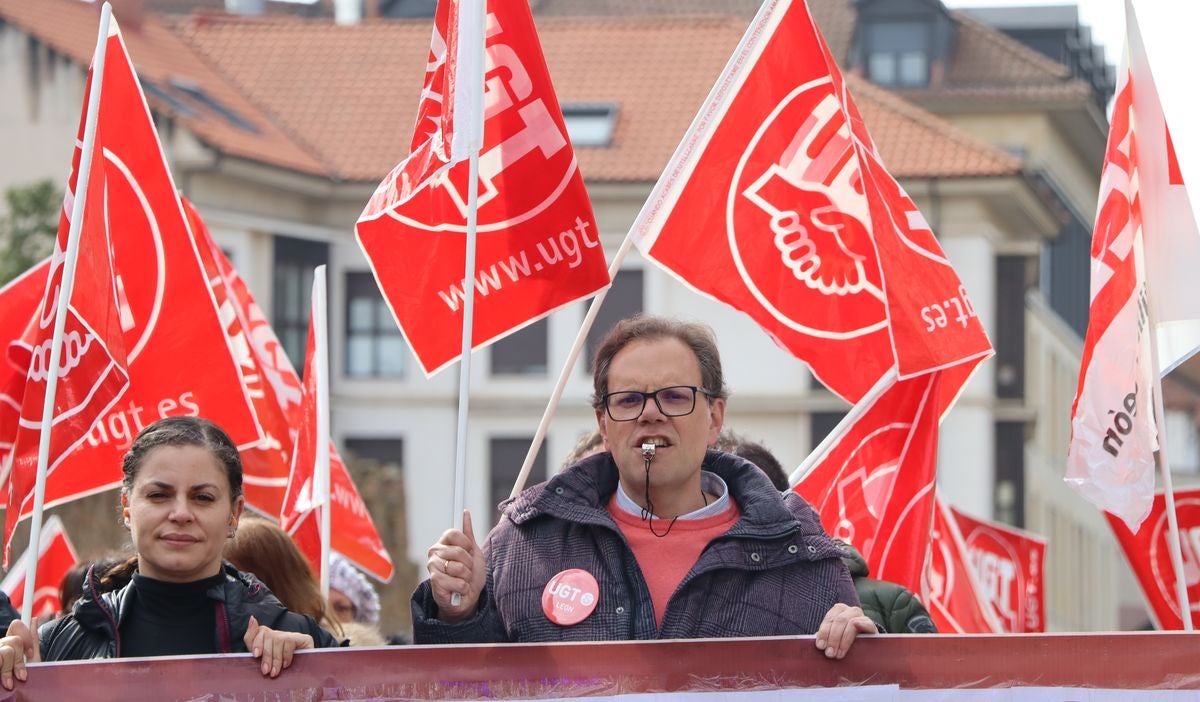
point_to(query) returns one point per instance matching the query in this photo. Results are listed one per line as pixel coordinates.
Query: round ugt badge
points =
(570, 597)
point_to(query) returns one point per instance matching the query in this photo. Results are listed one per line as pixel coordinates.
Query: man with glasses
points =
(656, 537)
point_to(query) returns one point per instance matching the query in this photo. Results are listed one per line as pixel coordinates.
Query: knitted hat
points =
(346, 578)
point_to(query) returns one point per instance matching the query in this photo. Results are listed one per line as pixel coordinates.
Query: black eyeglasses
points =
(674, 401)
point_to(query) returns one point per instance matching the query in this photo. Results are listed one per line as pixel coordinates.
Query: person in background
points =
(8, 613)
(756, 453)
(181, 501)
(70, 588)
(655, 537)
(355, 603)
(893, 607)
(263, 549)
(351, 596)
(588, 445)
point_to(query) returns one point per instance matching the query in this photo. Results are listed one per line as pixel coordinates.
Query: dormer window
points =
(897, 53)
(902, 43)
(590, 124)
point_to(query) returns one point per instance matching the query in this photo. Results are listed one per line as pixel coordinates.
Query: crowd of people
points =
(660, 525)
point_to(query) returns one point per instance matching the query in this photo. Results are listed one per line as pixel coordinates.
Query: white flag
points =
(1145, 254)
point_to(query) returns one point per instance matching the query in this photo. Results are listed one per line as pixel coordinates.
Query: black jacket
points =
(92, 630)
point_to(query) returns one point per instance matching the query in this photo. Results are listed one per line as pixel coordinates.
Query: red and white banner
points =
(951, 592)
(353, 532)
(1148, 553)
(1009, 566)
(872, 481)
(265, 465)
(777, 204)
(57, 556)
(1145, 252)
(179, 354)
(538, 244)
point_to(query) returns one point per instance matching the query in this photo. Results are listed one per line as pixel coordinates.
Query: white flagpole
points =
(470, 63)
(323, 493)
(565, 374)
(60, 312)
(1164, 467)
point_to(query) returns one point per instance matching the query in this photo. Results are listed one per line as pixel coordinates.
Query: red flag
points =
(266, 464)
(538, 244)
(92, 370)
(353, 532)
(1149, 556)
(1145, 253)
(56, 557)
(872, 481)
(167, 311)
(19, 301)
(1009, 566)
(950, 590)
(777, 204)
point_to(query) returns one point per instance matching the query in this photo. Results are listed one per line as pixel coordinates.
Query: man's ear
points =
(716, 416)
(602, 424)
(125, 507)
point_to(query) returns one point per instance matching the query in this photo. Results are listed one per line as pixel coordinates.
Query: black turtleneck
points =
(169, 619)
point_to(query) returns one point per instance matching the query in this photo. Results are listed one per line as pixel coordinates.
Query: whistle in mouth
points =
(647, 451)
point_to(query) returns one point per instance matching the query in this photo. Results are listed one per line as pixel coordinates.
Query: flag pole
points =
(320, 366)
(1164, 467)
(471, 20)
(60, 312)
(564, 375)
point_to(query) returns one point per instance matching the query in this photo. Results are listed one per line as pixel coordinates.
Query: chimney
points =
(245, 7)
(129, 13)
(347, 12)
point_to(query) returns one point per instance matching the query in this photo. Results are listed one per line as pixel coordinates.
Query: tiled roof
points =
(349, 94)
(917, 144)
(592, 60)
(340, 101)
(629, 8)
(273, 7)
(161, 56)
(987, 66)
(990, 66)
(835, 17)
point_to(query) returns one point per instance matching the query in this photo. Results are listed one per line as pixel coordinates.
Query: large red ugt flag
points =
(165, 312)
(778, 204)
(538, 247)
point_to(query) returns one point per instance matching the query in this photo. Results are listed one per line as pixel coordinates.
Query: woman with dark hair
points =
(265, 550)
(181, 500)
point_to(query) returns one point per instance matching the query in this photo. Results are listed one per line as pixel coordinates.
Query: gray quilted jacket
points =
(775, 572)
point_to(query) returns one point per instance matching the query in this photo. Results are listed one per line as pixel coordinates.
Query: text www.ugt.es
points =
(567, 247)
